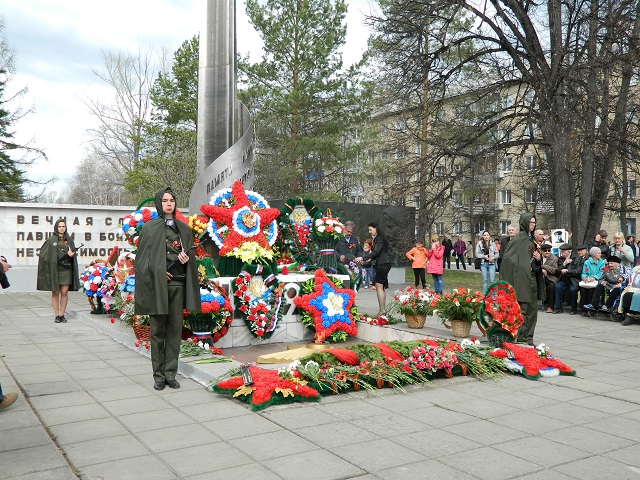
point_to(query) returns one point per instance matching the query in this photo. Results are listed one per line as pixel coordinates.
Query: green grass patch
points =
(470, 278)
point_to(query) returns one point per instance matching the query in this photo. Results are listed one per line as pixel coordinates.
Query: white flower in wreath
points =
(334, 304)
(321, 228)
(403, 298)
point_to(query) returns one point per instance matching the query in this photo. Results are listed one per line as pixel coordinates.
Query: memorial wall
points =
(25, 226)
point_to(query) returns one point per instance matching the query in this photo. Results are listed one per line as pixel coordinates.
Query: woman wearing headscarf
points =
(161, 293)
(58, 269)
(521, 268)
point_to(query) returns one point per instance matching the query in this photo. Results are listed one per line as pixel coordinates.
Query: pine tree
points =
(304, 104)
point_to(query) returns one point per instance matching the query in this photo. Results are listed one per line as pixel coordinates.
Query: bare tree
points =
(116, 139)
(567, 67)
(97, 186)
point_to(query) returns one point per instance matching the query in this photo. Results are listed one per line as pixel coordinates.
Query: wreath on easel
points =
(258, 296)
(294, 223)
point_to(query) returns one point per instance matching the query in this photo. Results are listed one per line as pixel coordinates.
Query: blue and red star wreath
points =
(329, 306)
(239, 216)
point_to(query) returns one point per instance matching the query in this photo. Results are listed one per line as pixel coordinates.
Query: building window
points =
(504, 225)
(416, 201)
(457, 228)
(439, 171)
(506, 164)
(399, 178)
(439, 201)
(481, 227)
(530, 162)
(631, 227)
(371, 180)
(631, 190)
(505, 196)
(457, 199)
(439, 226)
(530, 195)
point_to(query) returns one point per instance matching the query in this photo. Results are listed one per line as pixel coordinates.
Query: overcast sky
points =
(57, 43)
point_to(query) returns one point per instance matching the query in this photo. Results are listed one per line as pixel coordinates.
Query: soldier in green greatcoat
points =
(163, 294)
(58, 269)
(521, 268)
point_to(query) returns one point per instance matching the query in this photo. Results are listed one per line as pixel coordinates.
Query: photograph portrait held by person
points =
(162, 294)
(381, 260)
(521, 267)
(58, 269)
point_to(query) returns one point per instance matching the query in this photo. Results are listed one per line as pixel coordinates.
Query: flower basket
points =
(459, 328)
(142, 332)
(415, 321)
(201, 326)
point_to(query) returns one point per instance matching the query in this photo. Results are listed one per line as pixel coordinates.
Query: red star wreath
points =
(329, 306)
(266, 383)
(244, 222)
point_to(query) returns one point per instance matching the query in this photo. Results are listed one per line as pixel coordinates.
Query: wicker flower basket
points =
(459, 328)
(142, 332)
(415, 321)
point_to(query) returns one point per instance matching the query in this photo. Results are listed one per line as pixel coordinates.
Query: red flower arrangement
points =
(501, 304)
(266, 384)
(258, 297)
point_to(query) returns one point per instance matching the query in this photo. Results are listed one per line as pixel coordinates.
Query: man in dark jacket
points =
(348, 246)
(527, 281)
(163, 294)
(448, 248)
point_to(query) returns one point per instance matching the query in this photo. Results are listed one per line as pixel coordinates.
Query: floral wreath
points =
(327, 307)
(92, 278)
(258, 297)
(238, 216)
(502, 307)
(214, 302)
(295, 227)
(133, 222)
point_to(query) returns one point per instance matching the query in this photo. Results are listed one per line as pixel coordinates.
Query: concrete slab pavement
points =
(87, 409)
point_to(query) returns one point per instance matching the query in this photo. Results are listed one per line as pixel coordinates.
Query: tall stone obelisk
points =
(225, 136)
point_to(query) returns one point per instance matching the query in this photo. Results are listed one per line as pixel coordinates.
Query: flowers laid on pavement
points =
(358, 366)
(531, 362)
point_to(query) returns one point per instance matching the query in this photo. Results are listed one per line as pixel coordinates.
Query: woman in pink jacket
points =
(435, 266)
(418, 257)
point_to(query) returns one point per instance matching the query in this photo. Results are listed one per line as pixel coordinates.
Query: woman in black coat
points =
(379, 255)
